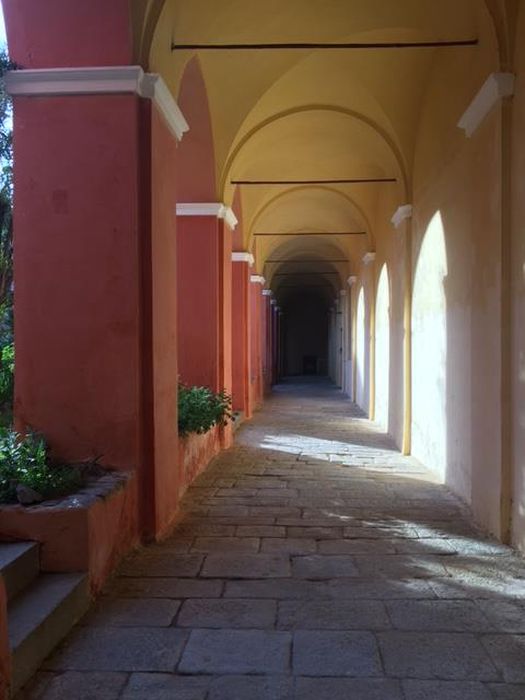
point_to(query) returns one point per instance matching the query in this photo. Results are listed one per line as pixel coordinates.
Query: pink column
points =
(241, 358)
(94, 248)
(256, 334)
(204, 270)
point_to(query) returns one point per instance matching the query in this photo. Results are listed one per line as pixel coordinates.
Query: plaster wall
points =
(77, 262)
(390, 250)
(164, 320)
(518, 288)
(459, 179)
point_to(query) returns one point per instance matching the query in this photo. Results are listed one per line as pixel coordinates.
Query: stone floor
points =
(314, 562)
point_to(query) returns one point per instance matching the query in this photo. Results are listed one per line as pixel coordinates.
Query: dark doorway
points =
(306, 334)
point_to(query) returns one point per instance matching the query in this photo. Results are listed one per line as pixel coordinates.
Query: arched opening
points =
(382, 350)
(429, 350)
(361, 383)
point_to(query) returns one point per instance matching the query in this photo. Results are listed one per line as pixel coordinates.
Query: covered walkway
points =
(312, 561)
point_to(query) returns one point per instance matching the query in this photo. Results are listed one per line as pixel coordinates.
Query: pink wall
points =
(58, 33)
(241, 337)
(198, 300)
(164, 320)
(5, 655)
(196, 159)
(76, 225)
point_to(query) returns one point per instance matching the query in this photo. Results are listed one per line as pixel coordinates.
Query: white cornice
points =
(241, 256)
(267, 292)
(495, 87)
(154, 87)
(258, 279)
(273, 302)
(403, 212)
(221, 211)
(99, 81)
(351, 280)
(368, 258)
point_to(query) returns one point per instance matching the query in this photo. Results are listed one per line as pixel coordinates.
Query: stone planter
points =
(88, 531)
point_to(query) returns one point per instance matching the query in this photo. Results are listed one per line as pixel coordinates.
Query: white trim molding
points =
(351, 280)
(257, 279)
(242, 256)
(342, 292)
(273, 302)
(99, 81)
(154, 87)
(221, 211)
(369, 257)
(495, 87)
(267, 292)
(401, 213)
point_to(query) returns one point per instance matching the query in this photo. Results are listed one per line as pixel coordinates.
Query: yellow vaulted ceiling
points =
(309, 114)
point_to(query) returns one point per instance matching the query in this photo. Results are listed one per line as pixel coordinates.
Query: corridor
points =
(312, 562)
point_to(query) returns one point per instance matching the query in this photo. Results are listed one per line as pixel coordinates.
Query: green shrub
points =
(24, 462)
(200, 409)
(7, 373)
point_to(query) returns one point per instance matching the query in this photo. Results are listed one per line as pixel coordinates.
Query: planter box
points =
(88, 531)
(196, 452)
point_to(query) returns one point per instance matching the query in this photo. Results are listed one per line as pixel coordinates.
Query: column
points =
(204, 270)
(241, 340)
(256, 335)
(94, 245)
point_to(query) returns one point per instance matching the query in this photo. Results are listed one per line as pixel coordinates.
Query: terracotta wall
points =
(164, 167)
(518, 288)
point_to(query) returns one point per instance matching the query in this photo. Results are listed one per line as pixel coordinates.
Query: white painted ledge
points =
(368, 258)
(257, 279)
(351, 280)
(242, 256)
(496, 87)
(267, 292)
(221, 211)
(401, 214)
(99, 81)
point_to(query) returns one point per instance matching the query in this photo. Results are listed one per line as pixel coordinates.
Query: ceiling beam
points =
(323, 233)
(339, 181)
(324, 46)
(310, 272)
(308, 260)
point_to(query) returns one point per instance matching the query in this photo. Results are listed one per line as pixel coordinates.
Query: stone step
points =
(19, 565)
(40, 617)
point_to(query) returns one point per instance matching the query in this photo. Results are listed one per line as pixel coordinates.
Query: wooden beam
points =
(338, 181)
(323, 233)
(308, 260)
(323, 46)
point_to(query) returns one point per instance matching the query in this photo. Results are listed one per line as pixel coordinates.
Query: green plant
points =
(7, 369)
(24, 462)
(201, 408)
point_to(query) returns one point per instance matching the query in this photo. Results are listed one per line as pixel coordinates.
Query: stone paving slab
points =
(236, 651)
(328, 567)
(119, 649)
(165, 686)
(132, 612)
(348, 689)
(229, 614)
(320, 653)
(436, 655)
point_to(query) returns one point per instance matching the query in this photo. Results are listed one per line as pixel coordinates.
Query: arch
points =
(195, 153)
(323, 108)
(361, 352)
(429, 350)
(382, 349)
(325, 188)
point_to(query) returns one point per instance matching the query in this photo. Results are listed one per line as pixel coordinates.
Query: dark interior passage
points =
(305, 341)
